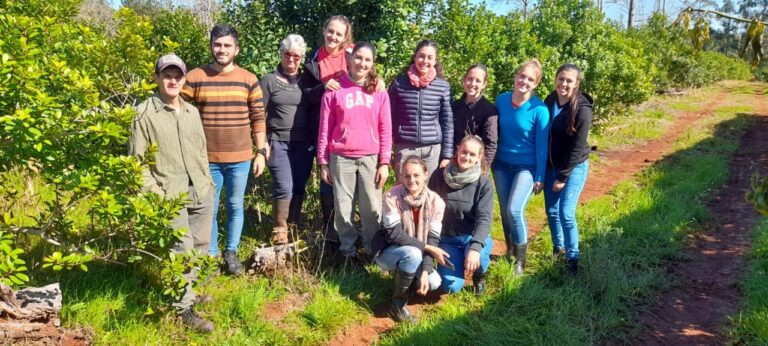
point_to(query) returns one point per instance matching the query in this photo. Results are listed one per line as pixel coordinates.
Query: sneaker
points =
(202, 299)
(232, 264)
(190, 319)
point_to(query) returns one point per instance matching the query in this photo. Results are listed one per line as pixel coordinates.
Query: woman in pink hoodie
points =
(354, 148)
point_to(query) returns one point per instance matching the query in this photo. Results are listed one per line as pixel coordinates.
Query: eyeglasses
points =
(292, 56)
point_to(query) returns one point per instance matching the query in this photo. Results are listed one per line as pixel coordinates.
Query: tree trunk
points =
(631, 19)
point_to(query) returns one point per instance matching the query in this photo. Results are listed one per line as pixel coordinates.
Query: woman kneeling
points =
(468, 196)
(407, 241)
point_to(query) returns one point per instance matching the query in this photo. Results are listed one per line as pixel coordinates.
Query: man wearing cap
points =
(180, 166)
(230, 102)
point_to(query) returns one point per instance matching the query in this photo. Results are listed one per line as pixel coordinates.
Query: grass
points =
(750, 325)
(628, 237)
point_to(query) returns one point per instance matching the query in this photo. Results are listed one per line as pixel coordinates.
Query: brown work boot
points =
(280, 209)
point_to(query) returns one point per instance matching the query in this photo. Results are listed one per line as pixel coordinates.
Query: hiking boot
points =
(519, 253)
(202, 299)
(573, 267)
(232, 264)
(558, 254)
(190, 319)
(399, 308)
(479, 283)
(280, 213)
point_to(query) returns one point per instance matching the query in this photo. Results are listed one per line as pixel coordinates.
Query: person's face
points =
(414, 178)
(565, 82)
(425, 58)
(362, 62)
(475, 82)
(224, 50)
(468, 155)
(335, 34)
(291, 61)
(526, 80)
(169, 81)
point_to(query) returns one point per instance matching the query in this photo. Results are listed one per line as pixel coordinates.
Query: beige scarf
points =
(407, 203)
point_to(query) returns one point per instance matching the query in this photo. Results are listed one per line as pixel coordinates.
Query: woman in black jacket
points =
(474, 115)
(466, 236)
(422, 120)
(571, 118)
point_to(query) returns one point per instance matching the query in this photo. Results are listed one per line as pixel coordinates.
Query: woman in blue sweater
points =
(568, 163)
(521, 158)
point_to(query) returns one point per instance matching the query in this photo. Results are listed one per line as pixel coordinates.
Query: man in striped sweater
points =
(232, 110)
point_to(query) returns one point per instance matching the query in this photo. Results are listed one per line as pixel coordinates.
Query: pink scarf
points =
(421, 81)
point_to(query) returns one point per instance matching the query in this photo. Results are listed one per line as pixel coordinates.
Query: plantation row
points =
(70, 195)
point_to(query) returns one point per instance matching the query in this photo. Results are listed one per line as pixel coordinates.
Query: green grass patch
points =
(628, 238)
(750, 326)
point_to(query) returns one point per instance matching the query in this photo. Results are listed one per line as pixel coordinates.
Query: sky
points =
(613, 10)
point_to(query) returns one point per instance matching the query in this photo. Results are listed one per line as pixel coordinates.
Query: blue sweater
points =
(523, 134)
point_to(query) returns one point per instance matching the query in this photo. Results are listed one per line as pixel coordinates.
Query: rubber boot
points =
(399, 309)
(510, 248)
(520, 250)
(294, 210)
(326, 203)
(280, 213)
(478, 280)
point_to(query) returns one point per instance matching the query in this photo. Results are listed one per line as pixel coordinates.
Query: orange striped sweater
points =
(231, 108)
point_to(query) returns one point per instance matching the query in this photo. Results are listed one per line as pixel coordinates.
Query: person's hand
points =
(423, 284)
(439, 254)
(258, 165)
(444, 162)
(537, 187)
(472, 262)
(381, 176)
(325, 174)
(380, 86)
(558, 186)
(332, 85)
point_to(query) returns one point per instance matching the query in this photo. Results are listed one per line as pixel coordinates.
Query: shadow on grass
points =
(628, 239)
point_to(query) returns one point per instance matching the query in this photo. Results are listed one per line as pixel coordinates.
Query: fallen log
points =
(273, 257)
(31, 317)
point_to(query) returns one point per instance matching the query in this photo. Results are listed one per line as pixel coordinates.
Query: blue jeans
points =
(290, 164)
(232, 176)
(458, 247)
(407, 259)
(514, 185)
(561, 209)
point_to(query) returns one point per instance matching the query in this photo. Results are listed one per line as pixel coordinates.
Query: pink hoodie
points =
(354, 124)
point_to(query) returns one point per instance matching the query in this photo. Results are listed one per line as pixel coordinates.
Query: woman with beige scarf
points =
(407, 241)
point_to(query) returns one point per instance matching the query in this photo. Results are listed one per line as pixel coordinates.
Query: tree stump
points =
(31, 317)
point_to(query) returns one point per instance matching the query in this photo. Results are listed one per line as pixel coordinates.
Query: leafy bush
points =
(69, 193)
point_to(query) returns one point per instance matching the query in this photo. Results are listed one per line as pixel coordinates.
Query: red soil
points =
(695, 311)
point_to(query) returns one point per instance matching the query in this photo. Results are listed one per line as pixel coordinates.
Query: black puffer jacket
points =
(566, 150)
(422, 116)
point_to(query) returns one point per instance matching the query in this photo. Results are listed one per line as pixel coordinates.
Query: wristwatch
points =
(262, 151)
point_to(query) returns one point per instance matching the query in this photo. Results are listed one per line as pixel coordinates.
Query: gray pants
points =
(197, 218)
(430, 153)
(355, 178)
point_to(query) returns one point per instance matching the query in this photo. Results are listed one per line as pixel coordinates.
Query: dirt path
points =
(614, 167)
(694, 312)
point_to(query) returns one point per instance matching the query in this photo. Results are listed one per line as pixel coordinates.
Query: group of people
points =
(332, 106)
